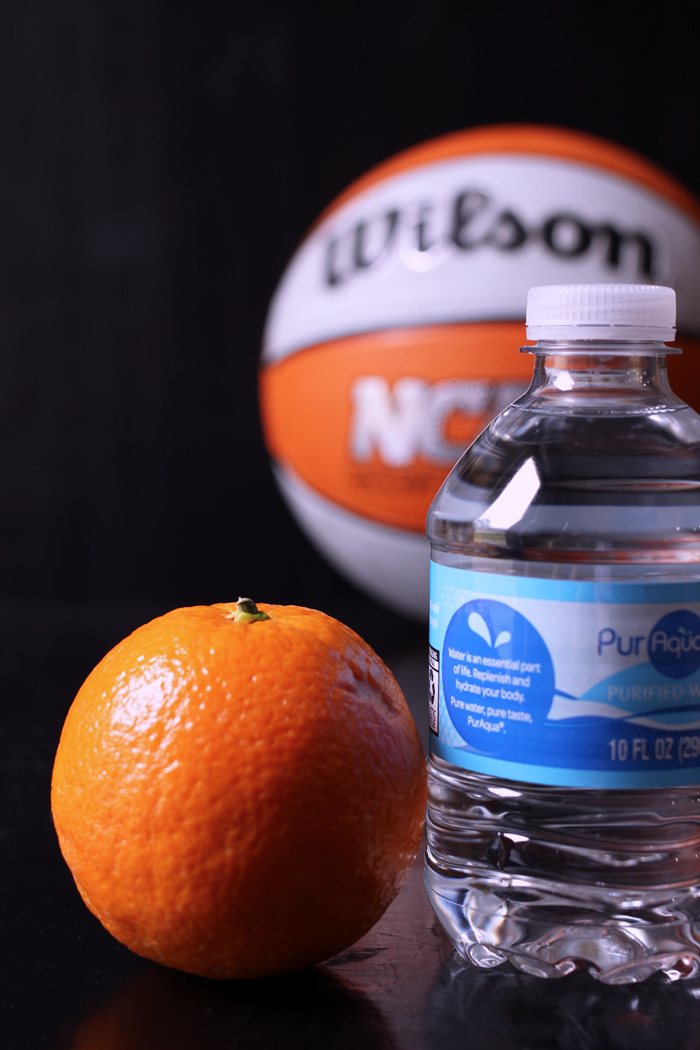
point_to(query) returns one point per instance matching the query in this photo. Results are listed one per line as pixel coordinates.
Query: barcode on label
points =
(433, 688)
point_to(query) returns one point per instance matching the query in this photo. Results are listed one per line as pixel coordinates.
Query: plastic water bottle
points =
(564, 803)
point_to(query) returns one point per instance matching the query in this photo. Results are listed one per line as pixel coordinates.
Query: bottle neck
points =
(602, 378)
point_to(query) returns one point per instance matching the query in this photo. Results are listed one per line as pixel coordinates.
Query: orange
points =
(239, 796)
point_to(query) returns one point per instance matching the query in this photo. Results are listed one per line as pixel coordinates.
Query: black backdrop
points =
(159, 161)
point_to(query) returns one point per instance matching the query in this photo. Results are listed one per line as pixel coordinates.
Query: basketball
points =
(392, 339)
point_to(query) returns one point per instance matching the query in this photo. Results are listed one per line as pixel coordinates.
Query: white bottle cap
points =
(637, 312)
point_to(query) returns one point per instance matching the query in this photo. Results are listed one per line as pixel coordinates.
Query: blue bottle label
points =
(577, 684)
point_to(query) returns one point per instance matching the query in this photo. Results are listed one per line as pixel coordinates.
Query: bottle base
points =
(488, 929)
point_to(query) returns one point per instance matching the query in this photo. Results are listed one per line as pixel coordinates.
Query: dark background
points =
(159, 162)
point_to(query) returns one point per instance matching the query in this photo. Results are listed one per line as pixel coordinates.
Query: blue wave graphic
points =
(638, 695)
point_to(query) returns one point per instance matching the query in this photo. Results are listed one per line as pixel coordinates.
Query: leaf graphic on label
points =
(477, 624)
(502, 639)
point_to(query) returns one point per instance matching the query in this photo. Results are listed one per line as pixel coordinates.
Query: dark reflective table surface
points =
(65, 983)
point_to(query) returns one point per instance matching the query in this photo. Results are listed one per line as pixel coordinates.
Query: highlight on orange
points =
(393, 337)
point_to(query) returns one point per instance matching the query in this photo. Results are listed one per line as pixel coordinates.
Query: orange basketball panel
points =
(535, 139)
(375, 422)
(684, 370)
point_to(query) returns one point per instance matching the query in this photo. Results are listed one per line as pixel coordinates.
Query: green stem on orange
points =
(247, 612)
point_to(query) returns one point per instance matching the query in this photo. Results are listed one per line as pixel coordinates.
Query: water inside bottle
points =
(558, 878)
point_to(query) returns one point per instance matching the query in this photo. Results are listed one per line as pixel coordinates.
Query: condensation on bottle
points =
(563, 820)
